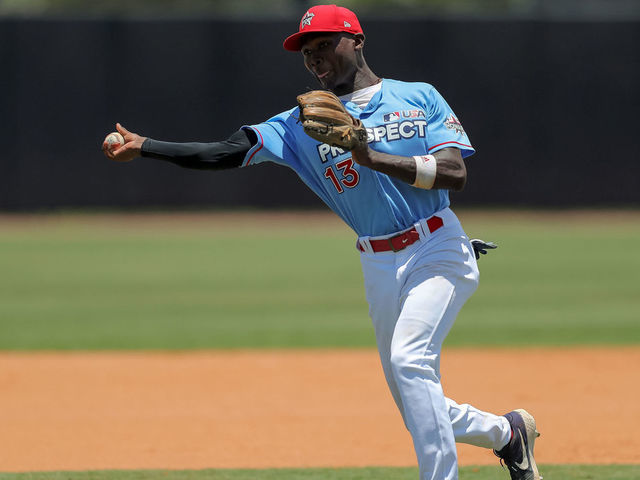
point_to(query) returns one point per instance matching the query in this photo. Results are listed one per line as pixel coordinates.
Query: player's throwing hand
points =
(127, 152)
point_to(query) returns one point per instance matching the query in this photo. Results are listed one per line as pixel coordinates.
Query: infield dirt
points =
(257, 409)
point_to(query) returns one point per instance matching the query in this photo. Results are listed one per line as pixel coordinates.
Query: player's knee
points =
(407, 363)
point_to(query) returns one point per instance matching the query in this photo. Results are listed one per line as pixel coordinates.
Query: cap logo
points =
(347, 24)
(306, 20)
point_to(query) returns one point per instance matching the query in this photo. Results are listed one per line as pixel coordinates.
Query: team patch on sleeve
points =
(452, 123)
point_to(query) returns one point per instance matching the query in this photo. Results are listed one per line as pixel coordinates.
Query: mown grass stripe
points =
(95, 282)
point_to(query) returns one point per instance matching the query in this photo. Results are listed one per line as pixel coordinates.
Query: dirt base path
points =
(83, 411)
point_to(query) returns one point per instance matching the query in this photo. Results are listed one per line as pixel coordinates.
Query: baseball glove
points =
(325, 119)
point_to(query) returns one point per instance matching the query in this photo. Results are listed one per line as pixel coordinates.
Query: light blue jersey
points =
(404, 119)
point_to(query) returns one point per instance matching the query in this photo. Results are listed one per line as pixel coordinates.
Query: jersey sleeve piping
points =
(256, 148)
(440, 145)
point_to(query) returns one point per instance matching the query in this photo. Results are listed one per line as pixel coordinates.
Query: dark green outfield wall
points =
(551, 107)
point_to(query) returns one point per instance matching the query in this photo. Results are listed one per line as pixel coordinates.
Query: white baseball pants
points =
(414, 296)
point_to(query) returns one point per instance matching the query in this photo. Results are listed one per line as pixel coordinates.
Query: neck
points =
(362, 78)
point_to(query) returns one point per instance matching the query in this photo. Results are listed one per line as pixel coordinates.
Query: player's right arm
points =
(204, 156)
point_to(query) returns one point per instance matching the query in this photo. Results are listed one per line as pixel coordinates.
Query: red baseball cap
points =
(323, 18)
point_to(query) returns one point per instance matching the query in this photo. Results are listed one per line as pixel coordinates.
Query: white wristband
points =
(426, 167)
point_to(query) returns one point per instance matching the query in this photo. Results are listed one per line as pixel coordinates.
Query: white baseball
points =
(113, 141)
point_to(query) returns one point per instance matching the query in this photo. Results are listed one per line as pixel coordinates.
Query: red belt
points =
(404, 239)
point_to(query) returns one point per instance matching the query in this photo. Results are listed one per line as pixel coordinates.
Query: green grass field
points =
(550, 472)
(82, 282)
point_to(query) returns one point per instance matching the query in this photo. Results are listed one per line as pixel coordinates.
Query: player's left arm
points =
(451, 173)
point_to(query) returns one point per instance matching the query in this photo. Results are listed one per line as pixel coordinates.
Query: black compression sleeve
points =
(203, 156)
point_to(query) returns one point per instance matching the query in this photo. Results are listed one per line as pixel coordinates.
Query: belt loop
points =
(419, 225)
(365, 245)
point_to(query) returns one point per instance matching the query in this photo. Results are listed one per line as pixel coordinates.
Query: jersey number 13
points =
(348, 175)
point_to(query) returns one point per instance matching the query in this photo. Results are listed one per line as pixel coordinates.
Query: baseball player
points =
(382, 156)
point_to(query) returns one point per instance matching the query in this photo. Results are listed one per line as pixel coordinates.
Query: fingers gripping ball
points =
(113, 141)
(325, 119)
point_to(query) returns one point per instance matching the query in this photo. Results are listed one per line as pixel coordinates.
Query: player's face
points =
(332, 59)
